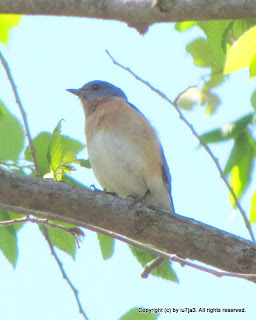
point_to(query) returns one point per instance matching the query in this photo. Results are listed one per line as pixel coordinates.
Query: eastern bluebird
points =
(124, 151)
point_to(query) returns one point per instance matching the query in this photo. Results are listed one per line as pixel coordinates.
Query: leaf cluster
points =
(227, 46)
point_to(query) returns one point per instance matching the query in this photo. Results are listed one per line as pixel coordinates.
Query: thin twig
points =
(75, 232)
(65, 276)
(151, 249)
(27, 131)
(202, 142)
(150, 266)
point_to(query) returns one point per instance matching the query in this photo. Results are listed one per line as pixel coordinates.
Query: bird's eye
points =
(95, 87)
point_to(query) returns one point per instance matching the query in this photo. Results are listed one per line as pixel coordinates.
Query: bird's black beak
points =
(76, 92)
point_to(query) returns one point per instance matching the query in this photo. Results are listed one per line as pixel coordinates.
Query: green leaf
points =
(85, 163)
(253, 208)
(8, 240)
(228, 131)
(135, 314)
(253, 100)
(241, 172)
(252, 68)
(55, 149)
(12, 216)
(211, 101)
(12, 135)
(60, 145)
(215, 32)
(189, 98)
(241, 54)
(106, 246)
(235, 156)
(201, 53)
(41, 143)
(183, 26)
(62, 240)
(164, 271)
(69, 157)
(216, 79)
(71, 145)
(241, 26)
(7, 21)
(66, 168)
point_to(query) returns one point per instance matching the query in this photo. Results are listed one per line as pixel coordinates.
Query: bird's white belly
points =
(117, 166)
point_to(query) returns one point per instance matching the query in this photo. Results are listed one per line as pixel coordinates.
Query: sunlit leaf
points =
(241, 54)
(41, 143)
(253, 208)
(7, 21)
(183, 26)
(252, 68)
(12, 135)
(236, 183)
(135, 314)
(106, 246)
(69, 157)
(58, 174)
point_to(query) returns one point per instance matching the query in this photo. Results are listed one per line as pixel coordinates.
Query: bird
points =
(125, 153)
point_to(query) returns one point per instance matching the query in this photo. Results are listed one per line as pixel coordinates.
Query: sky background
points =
(48, 55)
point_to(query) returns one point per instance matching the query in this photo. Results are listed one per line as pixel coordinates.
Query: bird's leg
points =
(111, 193)
(104, 190)
(137, 200)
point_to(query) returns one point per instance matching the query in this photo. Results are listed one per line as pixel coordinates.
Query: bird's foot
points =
(137, 200)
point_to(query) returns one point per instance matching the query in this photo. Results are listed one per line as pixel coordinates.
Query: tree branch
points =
(183, 236)
(75, 232)
(139, 14)
(149, 267)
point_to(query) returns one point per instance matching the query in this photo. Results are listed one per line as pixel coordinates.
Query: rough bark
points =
(139, 14)
(182, 236)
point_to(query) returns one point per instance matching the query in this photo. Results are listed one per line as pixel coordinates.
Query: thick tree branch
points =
(161, 255)
(182, 236)
(139, 14)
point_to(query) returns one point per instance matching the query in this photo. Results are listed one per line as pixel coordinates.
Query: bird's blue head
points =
(97, 89)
